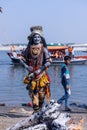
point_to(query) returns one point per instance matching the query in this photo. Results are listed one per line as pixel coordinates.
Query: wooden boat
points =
(74, 61)
(81, 56)
(16, 57)
(57, 58)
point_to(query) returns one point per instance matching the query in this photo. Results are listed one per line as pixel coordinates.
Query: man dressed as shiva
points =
(38, 60)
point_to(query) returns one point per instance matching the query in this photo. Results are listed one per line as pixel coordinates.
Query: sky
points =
(63, 21)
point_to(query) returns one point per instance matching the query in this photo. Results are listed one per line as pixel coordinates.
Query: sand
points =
(10, 115)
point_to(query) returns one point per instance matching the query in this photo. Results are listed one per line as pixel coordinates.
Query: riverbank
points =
(10, 115)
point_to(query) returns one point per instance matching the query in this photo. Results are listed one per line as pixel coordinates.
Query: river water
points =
(13, 90)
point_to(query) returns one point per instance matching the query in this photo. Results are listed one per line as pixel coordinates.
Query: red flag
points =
(0, 9)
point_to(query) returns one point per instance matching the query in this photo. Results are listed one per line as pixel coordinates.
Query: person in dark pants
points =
(65, 80)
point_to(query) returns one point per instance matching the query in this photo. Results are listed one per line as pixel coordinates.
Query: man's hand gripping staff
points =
(33, 75)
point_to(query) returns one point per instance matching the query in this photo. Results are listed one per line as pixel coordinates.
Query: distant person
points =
(65, 80)
(14, 53)
(0, 9)
(71, 52)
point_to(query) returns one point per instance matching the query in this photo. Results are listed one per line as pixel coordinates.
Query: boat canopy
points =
(56, 46)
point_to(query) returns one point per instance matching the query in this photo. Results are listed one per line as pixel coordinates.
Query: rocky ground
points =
(10, 115)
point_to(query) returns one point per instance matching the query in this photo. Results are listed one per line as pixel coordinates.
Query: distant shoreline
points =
(20, 47)
(4, 48)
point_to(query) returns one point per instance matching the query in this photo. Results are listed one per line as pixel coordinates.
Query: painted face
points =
(36, 39)
(35, 50)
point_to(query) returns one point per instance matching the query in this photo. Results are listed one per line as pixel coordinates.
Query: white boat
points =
(74, 61)
(16, 57)
(57, 60)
